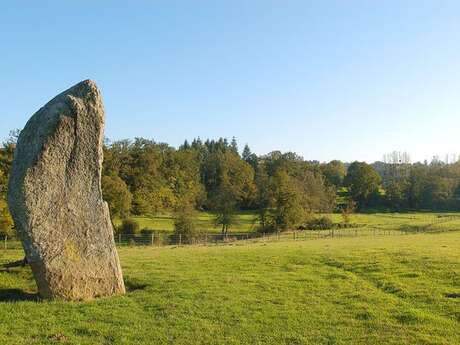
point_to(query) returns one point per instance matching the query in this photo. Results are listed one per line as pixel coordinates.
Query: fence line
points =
(159, 239)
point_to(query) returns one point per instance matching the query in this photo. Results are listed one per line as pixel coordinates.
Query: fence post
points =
(180, 239)
(153, 238)
(6, 237)
(119, 238)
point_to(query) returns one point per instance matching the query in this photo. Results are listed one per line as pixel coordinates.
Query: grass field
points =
(364, 290)
(247, 221)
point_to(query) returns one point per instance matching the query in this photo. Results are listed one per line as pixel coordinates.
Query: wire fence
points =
(163, 238)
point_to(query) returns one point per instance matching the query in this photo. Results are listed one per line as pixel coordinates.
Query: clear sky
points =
(347, 80)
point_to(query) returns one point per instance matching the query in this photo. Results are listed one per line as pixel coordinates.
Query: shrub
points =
(147, 231)
(319, 223)
(184, 225)
(129, 227)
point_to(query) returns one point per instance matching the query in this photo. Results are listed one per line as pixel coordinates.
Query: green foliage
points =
(147, 178)
(288, 188)
(319, 223)
(334, 172)
(6, 222)
(129, 227)
(363, 182)
(230, 185)
(117, 195)
(348, 210)
(185, 224)
(6, 158)
(287, 209)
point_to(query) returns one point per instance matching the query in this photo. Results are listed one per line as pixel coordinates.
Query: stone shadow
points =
(17, 295)
(134, 285)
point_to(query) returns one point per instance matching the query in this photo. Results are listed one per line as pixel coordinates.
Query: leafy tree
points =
(363, 183)
(6, 222)
(334, 172)
(287, 209)
(184, 223)
(348, 210)
(6, 158)
(117, 195)
(315, 194)
(230, 184)
(264, 196)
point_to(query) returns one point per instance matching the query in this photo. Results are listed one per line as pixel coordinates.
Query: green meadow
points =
(205, 221)
(402, 289)
(247, 221)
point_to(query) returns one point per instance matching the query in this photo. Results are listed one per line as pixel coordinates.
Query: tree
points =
(184, 222)
(315, 194)
(249, 157)
(334, 172)
(230, 184)
(287, 209)
(234, 146)
(225, 202)
(117, 195)
(348, 210)
(6, 222)
(363, 183)
(264, 196)
(6, 158)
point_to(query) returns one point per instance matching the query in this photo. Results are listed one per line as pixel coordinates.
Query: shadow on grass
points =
(17, 295)
(134, 285)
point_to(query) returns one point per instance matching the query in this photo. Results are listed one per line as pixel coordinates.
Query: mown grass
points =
(364, 290)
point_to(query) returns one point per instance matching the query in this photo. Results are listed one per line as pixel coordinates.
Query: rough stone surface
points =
(56, 201)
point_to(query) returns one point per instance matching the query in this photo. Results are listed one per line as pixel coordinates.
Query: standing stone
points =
(55, 198)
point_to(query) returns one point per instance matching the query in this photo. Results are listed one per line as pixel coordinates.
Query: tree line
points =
(143, 177)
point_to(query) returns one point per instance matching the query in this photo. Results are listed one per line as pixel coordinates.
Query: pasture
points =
(247, 221)
(362, 290)
(205, 221)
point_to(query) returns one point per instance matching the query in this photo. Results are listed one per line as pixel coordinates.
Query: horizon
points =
(328, 81)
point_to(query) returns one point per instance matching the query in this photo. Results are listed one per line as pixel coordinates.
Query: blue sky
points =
(347, 80)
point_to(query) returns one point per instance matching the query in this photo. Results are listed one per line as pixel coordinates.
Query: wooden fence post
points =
(6, 238)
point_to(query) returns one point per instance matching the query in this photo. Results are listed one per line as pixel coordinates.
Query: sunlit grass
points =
(363, 290)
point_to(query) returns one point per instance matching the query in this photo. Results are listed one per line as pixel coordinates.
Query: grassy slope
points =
(384, 290)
